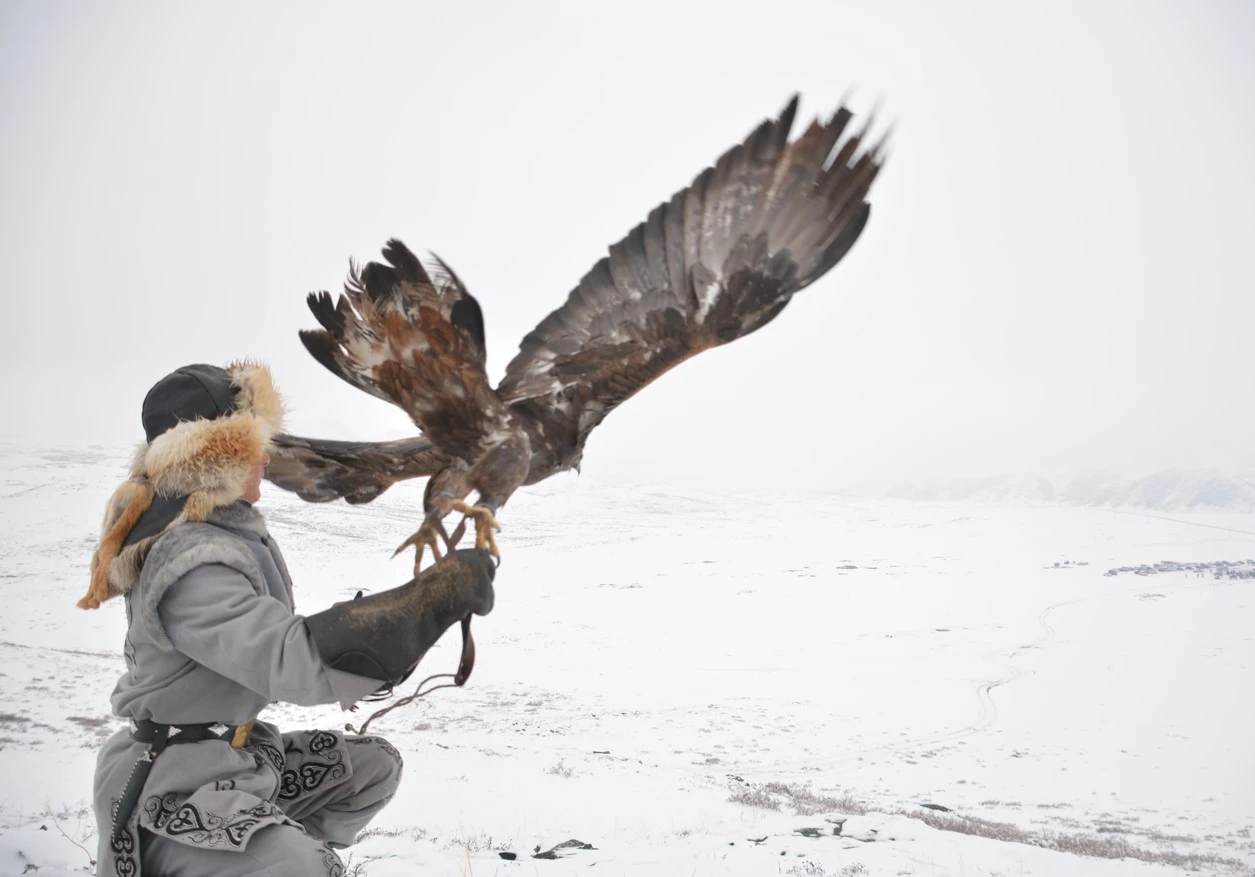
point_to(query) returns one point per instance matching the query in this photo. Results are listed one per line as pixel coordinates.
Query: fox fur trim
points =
(208, 461)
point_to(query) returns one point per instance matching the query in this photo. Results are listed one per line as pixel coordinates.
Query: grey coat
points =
(212, 637)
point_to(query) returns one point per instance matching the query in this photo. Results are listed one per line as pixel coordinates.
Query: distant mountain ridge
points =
(1166, 490)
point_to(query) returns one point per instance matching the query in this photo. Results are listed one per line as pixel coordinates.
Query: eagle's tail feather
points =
(321, 470)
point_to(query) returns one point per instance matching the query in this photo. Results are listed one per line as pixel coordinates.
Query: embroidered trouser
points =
(331, 805)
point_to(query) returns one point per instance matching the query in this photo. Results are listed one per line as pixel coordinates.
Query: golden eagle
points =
(720, 259)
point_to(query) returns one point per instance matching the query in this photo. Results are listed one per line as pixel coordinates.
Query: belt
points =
(150, 732)
(158, 737)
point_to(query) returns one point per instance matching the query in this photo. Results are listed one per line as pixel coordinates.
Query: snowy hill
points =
(1171, 490)
(691, 683)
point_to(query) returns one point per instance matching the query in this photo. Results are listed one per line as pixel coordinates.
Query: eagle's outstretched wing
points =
(321, 470)
(415, 339)
(721, 259)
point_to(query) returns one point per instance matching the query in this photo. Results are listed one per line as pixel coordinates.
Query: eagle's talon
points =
(485, 523)
(489, 542)
(422, 538)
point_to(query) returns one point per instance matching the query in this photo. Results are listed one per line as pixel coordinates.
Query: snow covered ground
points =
(703, 684)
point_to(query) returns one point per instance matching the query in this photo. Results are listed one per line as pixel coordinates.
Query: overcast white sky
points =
(1055, 273)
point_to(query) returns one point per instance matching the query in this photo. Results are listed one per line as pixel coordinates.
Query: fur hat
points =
(206, 428)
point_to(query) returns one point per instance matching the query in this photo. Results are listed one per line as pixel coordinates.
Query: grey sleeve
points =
(213, 615)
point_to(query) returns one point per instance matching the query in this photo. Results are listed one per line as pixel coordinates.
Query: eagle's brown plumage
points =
(719, 260)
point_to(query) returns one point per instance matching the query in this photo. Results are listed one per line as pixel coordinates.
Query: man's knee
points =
(376, 762)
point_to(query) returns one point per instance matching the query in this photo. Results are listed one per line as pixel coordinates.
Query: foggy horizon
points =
(1052, 278)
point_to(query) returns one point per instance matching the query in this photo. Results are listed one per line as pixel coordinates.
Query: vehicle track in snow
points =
(1013, 672)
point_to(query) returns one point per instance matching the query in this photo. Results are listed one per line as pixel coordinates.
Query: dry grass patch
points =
(1103, 840)
(1093, 845)
(803, 801)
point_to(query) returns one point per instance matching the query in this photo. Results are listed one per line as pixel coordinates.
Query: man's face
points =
(252, 487)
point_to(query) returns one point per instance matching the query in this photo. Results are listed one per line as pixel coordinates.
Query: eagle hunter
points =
(720, 259)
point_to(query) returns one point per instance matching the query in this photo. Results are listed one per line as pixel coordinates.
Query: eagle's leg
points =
(485, 523)
(424, 537)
